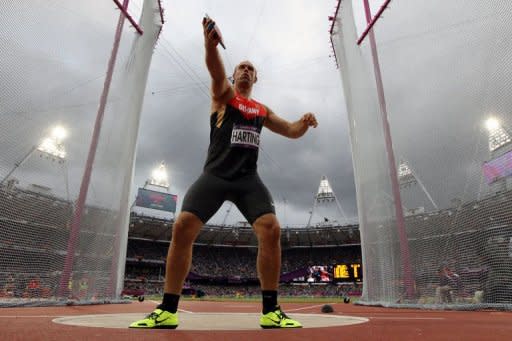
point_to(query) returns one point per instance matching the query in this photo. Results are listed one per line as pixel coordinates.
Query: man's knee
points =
(185, 228)
(267, 228)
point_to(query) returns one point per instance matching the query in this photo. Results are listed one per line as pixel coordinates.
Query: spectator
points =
(34, 287)
(448, 282)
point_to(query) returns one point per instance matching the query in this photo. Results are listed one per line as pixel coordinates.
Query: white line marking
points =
(31, 316)
(186, 311)
(183, 310)
(405, 318)
(308, 307)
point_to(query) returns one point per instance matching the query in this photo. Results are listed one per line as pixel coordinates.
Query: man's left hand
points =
(309, 119)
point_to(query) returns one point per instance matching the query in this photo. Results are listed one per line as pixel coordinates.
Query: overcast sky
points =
(289, 43)
(443, 77)
(60, 82)
(441, 83)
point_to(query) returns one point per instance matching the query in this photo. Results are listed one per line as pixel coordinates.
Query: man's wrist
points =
(210, 46)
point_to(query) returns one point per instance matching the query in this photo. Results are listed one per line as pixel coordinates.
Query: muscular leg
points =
(268, 263)
(202, 200)
(179, 258)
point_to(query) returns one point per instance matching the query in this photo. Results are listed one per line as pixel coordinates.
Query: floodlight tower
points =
(228, 211)
(159, 177)
(499, 137)
(52, 147)
(500, 143)
(407, 178)
(158, 181)
(325, 194)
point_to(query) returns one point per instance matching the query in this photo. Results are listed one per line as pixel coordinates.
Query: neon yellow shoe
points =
(278, 319)
(158, 319)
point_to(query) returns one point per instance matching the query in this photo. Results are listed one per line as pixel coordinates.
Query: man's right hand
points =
(220, 88)
(211, 37)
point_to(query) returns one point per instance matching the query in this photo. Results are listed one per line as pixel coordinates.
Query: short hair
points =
(232, 78)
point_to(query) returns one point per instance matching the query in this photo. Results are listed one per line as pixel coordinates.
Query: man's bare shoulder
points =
(221, 102)
(270, 113)
(225, 97)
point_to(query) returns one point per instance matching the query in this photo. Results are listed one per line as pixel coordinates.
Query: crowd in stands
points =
(475, 239)
(231, 262)
(474, 236)
(34, 235)
(145, 269)
(466, 218)
(41, 285)
(153, 287)
(34, 207)
(284, 290)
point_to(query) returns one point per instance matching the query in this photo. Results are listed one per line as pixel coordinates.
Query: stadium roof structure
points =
(321, 235)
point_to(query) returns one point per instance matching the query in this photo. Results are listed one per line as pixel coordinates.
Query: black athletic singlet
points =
(230, 168)
(235, 138)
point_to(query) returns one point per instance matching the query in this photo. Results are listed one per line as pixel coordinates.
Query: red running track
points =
(384, 324)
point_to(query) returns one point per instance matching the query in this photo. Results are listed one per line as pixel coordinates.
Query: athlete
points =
(230, 174)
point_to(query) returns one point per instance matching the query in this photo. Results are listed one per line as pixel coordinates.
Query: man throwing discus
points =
(230, 173)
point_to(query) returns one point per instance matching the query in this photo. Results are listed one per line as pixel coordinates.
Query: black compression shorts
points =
(209, 192)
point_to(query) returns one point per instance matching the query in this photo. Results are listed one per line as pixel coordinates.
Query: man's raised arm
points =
(220, 85)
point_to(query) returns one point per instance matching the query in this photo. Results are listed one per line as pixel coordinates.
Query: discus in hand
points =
(217, 30)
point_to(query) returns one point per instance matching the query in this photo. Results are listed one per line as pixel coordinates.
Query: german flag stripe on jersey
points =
(248, 108)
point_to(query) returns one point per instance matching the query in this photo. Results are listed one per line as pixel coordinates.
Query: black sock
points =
(269, 300)
(170, 303)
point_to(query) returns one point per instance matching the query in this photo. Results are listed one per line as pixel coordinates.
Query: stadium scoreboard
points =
(156, 200)
(348, 272)
(498, 168)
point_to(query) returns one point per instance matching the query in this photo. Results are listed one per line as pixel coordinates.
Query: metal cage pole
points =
(86, 178)
(400, 221)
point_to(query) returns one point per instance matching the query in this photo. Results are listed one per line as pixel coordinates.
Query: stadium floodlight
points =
(52, 145)
(498, 136)
(59, 133)
(159, 176)
(405, 175)
(492, 124)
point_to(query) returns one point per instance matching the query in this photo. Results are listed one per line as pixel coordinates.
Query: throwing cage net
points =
(430, 114)
(73, 76)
